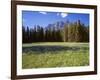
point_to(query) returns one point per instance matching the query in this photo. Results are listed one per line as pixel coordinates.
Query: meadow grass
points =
(55, 54)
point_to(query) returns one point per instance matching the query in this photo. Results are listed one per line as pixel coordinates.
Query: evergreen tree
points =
(71, 32)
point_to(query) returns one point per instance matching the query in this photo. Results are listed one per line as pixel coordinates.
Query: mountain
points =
(56, 25)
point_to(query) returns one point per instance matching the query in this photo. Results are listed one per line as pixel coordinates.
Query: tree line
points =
(71, 32)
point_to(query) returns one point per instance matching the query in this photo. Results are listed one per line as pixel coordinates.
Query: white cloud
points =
(43, 12)
(63, 15)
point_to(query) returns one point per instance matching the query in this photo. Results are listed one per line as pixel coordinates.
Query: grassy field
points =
(55, 54)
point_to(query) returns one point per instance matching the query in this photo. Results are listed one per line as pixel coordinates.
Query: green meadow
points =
(54, 54)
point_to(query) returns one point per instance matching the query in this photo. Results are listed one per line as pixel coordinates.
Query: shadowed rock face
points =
(42, 49)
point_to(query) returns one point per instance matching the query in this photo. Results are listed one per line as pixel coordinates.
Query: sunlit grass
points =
(55, 54)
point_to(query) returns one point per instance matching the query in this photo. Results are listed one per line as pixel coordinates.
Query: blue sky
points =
(31, 18)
